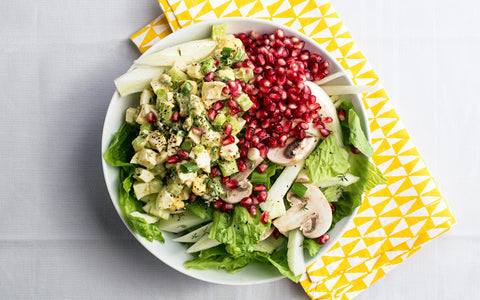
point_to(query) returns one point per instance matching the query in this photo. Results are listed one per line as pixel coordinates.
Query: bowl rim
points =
(158, 46)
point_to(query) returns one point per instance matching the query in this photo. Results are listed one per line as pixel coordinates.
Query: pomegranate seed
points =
(265, 123)
(214, 172)
(276, 234)
(287, 126)
(225, 179)
(246, 202)
(191, 198)
(324, 65)
(173, 159)
(301, 134)
(278, 128)
(323, 239)
(237, 65)
(295, 53)
(303, 126)
(255, 140)
(324, 132)
(248, 64)
(263, 150)
(277, 118)
(232, 184)
(281, 62)
(279, 34)
(232, 103)
(272, 142)
(212, 114)
(283, 138)
(227, 207)
(227, 128)
(299, 45)
(197, 130)
(218, 105)
(209, 76)
(249, 133)
(176, 116)
(264, 217)
(228, 140)
(242, 166)
(327, 120)
(252, 210)
(332, 206)
(259, 188)
(261, 114)
(261, 59)
(218, 204)
(355, 150)
(262, 168)
(341, 114)
(151, 117)
(226, 90)
(182, 154)
(262, 196)
(258, 70)
(244, 152)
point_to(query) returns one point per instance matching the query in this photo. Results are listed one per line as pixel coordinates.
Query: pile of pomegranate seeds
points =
(283, 105)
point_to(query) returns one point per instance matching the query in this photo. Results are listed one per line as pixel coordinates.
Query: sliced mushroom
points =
(303, 176)
(243, 190)
(312, 213)
(293, 152)
(267, 233)
(251, 165)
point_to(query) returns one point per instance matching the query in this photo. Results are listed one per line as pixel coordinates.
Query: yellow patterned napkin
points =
(394, 221)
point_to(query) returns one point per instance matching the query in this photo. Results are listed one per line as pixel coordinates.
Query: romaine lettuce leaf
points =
(370, 175)
(326, 161)
(218, 258)
(239, 232)
(120, 150)
(128, 204)
(345, 206)
(357, 136)
(201, 209)
(312, 246)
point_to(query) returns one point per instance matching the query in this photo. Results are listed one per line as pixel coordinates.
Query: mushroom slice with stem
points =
(312, 213)
(293, 152)
(267, 233)
(243, 190)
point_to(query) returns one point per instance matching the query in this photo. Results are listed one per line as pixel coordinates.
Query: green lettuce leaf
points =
(128, 204)
(345, 106)
(128, 181)
(357, 136)
(312, 246)
(326, 161)
(218, 258)
(239, 231)
(120, 150)
(201, 209)
(370, 175)
(345, 206)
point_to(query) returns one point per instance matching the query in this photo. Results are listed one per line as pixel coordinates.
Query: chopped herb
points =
(299, 189)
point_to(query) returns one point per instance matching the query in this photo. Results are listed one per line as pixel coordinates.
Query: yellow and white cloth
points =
(394, 221)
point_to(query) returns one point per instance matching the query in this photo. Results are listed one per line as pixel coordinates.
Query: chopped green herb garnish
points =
(189, 167)
(299, 189)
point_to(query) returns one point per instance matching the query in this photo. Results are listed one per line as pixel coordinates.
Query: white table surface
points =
(59, 234)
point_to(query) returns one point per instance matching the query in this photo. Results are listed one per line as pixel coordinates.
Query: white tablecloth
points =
(59, 234)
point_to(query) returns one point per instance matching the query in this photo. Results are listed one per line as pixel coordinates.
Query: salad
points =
(237, 148)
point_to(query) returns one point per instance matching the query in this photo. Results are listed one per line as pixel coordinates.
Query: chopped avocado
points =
(151, 208)
(175, 187)
(183, 103)
(139, 143)
(188, 87)
(219, 119)
(165, 104)
(243, 74)
(196, 106)
(236, 122)
(244, 101)
(219, 31)
(225, 74)
(208, 65)
(228, 167)
(142, 189)
(131, 115)
(195, 71)
(177, 75)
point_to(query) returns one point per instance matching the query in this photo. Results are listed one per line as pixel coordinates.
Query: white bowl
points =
(173, 253)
